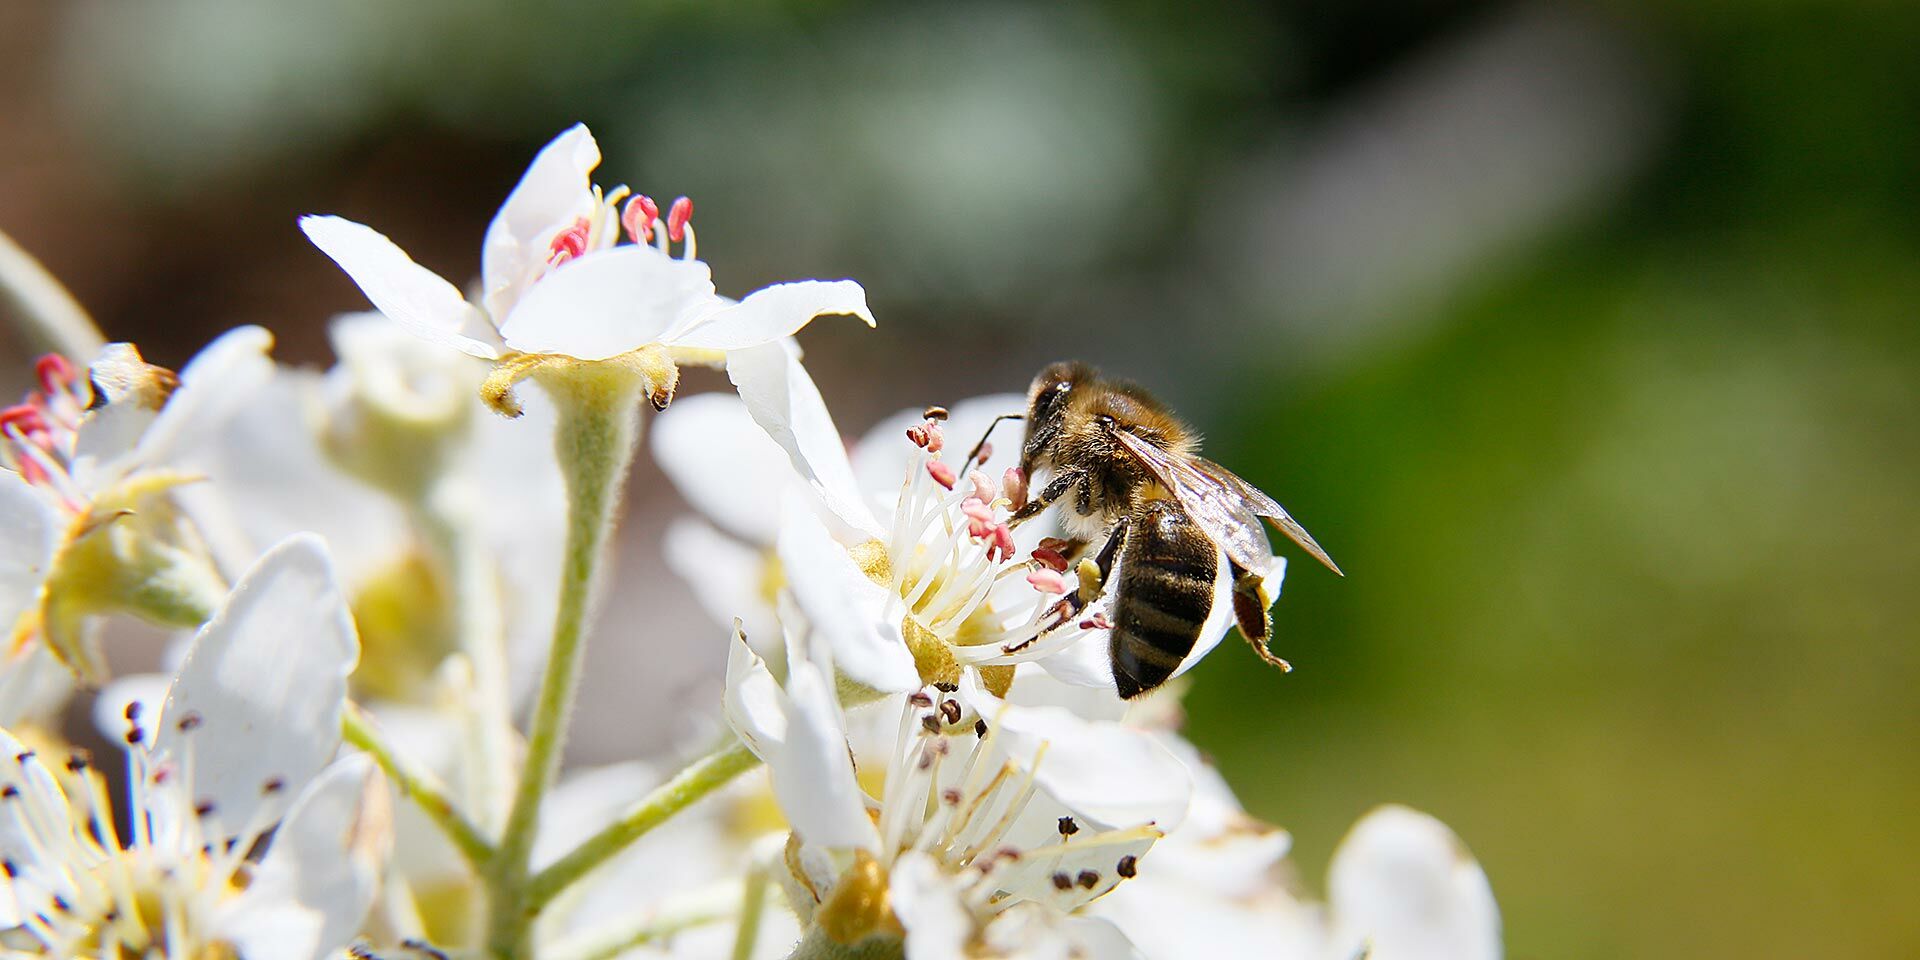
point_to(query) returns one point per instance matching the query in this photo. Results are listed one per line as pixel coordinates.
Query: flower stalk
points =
(418, 786)
(700, 778)
(599, 422)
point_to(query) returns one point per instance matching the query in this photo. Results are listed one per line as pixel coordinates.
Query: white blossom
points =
(89, 468)
(1010, 804)
(239, 751)
(556, 280)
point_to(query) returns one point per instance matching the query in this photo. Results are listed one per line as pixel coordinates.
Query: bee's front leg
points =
(1054, 490)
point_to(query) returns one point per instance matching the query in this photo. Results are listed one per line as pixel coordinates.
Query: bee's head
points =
(1046, 408)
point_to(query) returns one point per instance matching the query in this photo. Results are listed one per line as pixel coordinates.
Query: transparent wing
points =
(1227, 507)
(1215, 507)
(1264, 506)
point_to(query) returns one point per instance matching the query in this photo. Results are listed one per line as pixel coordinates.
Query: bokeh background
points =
(1583, 335)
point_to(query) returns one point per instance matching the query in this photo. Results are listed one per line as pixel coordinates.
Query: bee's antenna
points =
(975, 453)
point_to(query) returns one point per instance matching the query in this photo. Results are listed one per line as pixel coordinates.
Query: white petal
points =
(318, 878)
(213, 387)
(723, 463)
(1112, 774)
(266, 679)
(33, 527)
(34, 687)
(1403, 884)
(844, 608)
(607, 302)
(773, 312)
(415, 297)
(727, 577)
(787, 405)
(795, 728)
(929, 906)
(556, 190)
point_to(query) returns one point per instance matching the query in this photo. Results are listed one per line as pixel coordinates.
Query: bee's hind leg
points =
(1250, 603)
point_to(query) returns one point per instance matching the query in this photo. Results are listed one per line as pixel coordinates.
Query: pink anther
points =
(1002, 548)
(569, 243)
(986, 453)
(55, 373)
(982, 487)
(1051, 559)
(677, 217)
(936, 437)
(639, 217)
(26, 418)
(1014, 483)
(979, 517)
(1098, 621)
(1046, 581)
(941, 473)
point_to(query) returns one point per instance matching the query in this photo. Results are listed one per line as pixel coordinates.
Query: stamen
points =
(570, 243)
(677, 217)
(638, 219)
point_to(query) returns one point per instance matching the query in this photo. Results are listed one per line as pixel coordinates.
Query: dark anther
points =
(951, 710)
(935, 413)
(980, 728)
(23, 756)
(133, 711)
(931, 722)
(1089, 879)
(7, 865)
(1062, 882)
(946, 687)
(78, 761)
(951, 796)
(10, 792)
(920, 699)
(1067, 827)
(203, 808)
(273, 785)
(60, 904)
(1128, 866)
(190, 721)
(135, 735)
(421, 946)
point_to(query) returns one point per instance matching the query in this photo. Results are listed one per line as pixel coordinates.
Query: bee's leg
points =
(1054, 490)
(1093, 572)
(1250, 603)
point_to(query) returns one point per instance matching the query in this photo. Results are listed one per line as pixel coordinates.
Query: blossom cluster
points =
(378, 580)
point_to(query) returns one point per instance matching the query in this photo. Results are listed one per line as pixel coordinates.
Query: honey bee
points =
(1183, 532)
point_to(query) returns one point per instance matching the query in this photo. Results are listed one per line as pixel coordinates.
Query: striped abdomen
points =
(1167, 570)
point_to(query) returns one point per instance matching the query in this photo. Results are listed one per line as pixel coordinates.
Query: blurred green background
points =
(1582, 335)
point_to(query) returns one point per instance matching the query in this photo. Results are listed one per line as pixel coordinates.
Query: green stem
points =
(753, 903)
(482, 639)
(418, 786)
(699, 908)
(599, 422)
(700, 778)
(42, 308)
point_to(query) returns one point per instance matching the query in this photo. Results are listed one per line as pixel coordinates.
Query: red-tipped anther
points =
(23, 417)
(639, 218)
(936, 437)
(979, 517)
(918, 434)
(1046, 581)
(55, 373)
(1002, 548)
(941, 473)
(1051, 559)
(1098, 621)
(569, 243)
(677, 217)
